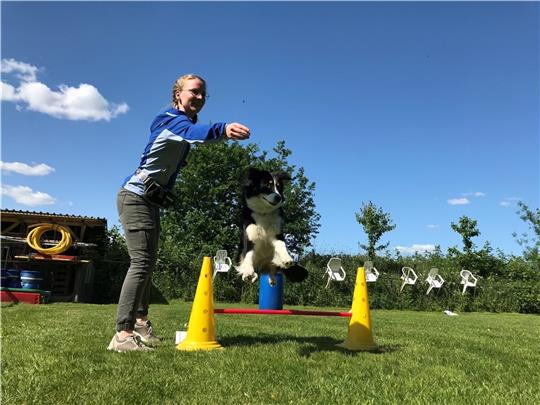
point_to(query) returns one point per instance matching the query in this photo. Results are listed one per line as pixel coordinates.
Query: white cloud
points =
(509, 201)
(22, 168)
(415, 248)
(464, 200)
(23, 71)
(432, 226)
(458, 201)
(7, 92)
(475, 194)
(26, 196)
(73, 103)
(84, 102)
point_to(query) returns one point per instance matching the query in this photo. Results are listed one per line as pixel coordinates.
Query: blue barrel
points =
(13, 278)
(4, 280)
(31, 279)
(271, 297)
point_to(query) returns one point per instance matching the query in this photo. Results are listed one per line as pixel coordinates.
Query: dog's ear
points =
(282, 176)
(252, 174)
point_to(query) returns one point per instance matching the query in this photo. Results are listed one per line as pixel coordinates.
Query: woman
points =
(143, 193)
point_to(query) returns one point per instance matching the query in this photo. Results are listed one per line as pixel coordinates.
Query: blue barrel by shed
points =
(31, 279)
(4, 278)
(11, 278)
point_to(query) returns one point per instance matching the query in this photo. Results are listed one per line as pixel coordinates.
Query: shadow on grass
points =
(156, 297)
(309, 344)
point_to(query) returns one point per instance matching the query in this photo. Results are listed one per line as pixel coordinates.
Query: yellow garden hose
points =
(34, 236)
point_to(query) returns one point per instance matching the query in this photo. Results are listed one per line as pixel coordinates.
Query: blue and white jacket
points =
(171, 135)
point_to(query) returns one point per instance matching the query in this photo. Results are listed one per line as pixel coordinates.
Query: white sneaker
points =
(128, 344)
(146, 334)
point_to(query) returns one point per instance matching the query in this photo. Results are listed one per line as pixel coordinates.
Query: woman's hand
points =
(236, 131)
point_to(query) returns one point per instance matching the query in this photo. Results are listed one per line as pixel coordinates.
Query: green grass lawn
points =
(56, 354)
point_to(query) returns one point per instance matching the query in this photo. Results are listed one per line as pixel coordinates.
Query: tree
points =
(532, 219)
(376, 223)
(467, 228)
(206, 214)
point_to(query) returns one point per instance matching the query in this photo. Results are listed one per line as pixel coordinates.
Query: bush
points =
(505, 284)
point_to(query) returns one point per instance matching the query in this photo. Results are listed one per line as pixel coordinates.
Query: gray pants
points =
(140, 221)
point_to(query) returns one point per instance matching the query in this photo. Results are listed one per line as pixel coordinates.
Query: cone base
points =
(366, 347)
(192, 346)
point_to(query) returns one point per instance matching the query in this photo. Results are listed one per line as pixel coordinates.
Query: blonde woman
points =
(148, 189)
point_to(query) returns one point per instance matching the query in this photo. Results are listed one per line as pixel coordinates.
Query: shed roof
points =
(48, 216)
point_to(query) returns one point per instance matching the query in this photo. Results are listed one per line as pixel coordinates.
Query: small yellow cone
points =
(359, 335)
(201, 333)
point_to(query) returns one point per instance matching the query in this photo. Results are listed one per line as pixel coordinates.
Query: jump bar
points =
(279, 312)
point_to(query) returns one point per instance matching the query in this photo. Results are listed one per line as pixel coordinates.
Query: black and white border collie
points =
(263, 244)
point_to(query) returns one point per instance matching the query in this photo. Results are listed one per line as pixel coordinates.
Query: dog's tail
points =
(295, 273)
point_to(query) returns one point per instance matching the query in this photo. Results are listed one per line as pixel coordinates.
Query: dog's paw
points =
(284, 264)
(295, 273)
(247, 275)
(253, 277)
(272, 280)
(288, 263)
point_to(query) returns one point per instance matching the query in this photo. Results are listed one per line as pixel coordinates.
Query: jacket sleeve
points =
(192, 133)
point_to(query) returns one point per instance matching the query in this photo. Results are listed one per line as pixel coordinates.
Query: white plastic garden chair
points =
(434, 280)
(222, 263)
(467, 279)
(334, 271)
(408, 276)
(372, 274)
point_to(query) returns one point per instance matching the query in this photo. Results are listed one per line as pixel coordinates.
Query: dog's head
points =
(263, 190)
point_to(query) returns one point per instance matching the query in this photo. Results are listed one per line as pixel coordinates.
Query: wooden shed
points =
(66, 277)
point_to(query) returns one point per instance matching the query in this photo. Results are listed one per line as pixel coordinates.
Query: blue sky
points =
(429, 110)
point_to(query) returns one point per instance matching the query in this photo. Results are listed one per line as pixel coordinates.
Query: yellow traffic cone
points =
(359, 335)
(201, 333)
